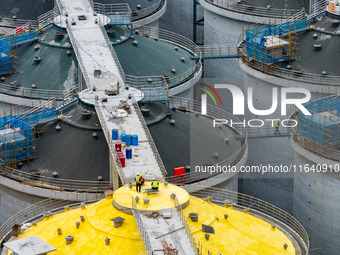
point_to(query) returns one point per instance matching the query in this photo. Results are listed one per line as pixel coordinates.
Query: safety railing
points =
(36, 211)
(141, 228)
(326, 151)
(109, 9)
(213, 112)
(148, 11)
(170, 37)
(157, 81)
(253, 10)
(39, 94)
(317, 8)
(14, 23)
(150, 140)
(217, 50)
(187, 228)
(50, 183)
(113, 53)
(76, 50)
(226, 197)
(99, 109)
(46, 18)
(295, 75)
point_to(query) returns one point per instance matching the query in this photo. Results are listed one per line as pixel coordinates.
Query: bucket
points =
(128, 140)
(135, 140)
(123, 137)
(114, 134)
(128, 153)
(193, 217)
(118, 147)
(122, 159)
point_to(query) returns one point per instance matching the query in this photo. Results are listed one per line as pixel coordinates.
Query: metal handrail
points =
(14, 23)
(226, 197)
(322, 150)
(40, 94)
(187, 228)
(55, 204)
(253, 10)
(141, 14)
(150, 140)
(305, 77)
(213, 112)
(141, 228)
(109, 9)
(113, 53)
(46, 18)
(218, 50)
(170, 37)
(110, 142)
(50, 183)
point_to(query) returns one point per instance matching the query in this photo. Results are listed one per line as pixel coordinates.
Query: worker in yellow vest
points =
(138, 183)
(277, 125)
(154, 184)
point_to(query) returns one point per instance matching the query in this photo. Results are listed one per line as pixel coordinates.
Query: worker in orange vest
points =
(142, 179)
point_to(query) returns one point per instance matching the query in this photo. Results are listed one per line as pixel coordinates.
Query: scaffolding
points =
(17, 134)
(6, 60)
(320, 131)
(8, 44)
(267, 46)
(17, 141)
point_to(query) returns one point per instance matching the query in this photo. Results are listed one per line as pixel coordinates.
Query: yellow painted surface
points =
(240, 234)
(89, 237)
(123, 197)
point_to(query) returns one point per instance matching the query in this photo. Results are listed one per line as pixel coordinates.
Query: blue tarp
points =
(6, 61)
(16, 143)
(255, 39)
(22, 38)
(19, 144)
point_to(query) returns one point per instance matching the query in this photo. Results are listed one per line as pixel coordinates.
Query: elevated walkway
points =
(162, 235)
(217, 51)
(266, 131)
(102, 72)
(161, 223)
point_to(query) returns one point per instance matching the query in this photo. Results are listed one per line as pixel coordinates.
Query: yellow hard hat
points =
(141, 175)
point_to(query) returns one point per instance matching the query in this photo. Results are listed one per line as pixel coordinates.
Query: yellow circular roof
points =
(240, 233)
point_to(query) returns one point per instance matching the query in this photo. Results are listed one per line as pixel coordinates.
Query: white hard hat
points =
(137, 173)
(154, 178)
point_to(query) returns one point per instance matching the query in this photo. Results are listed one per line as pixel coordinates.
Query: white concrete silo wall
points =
(316, 200)
(178, 17)
(224, 29)
(317, 204)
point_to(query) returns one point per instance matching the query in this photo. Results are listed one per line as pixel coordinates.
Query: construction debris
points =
(168, 249)
(169, 233)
